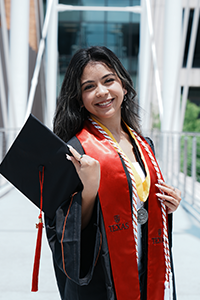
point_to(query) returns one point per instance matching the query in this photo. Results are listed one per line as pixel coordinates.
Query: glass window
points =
(135, 18)
(118, 3)
(119, 31)
(68, 42)
(118, 17)
(123, 40)
(93, 16)
(135, 2)
(188, 38)
(194, 95)
(115, 39)
(68, 16)
(93, 3)
(70, 2)
(92, 34)
(196, 61)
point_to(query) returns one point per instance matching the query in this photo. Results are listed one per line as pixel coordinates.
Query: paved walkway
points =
(18, 236)
(18, 240)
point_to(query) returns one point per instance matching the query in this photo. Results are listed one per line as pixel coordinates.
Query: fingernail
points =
(159, 195)
(159, 186)
(160, 181)
(69, 146)
(68, 157)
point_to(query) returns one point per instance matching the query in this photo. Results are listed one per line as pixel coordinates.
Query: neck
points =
(114, 126)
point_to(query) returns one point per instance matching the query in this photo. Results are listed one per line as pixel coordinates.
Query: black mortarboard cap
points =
(36, 148)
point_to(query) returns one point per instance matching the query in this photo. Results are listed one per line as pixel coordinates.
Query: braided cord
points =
(134, 195)
(163, 210)
(134, 191)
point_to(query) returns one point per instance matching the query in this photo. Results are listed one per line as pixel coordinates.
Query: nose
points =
(101, 90)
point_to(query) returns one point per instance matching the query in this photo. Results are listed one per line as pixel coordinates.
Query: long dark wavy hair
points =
(70, 115)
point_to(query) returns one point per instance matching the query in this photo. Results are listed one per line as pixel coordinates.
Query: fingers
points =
(87, 167)
(75, 158)
(169, 201)
(170, 196)
(75, 153)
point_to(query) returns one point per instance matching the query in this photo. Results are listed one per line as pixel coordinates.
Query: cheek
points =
(87, 100)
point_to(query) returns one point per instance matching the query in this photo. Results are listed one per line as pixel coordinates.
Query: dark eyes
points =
(109, 80)
(87, 87)
(90, 86)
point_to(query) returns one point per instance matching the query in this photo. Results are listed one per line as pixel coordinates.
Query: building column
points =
(144, 70)
(172, 51)
(51, 63)
(19, 60)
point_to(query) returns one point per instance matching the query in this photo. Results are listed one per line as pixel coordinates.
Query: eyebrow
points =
(89, 81)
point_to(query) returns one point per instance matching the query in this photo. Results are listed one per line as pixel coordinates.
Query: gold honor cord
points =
(142, 187)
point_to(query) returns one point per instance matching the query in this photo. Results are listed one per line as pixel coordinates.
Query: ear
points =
(125, 91)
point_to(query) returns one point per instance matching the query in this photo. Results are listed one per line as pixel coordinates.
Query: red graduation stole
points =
(116, 208)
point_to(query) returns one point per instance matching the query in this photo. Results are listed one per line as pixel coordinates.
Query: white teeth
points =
(105, 103)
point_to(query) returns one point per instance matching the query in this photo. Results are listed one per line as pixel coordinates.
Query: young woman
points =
(112, 238)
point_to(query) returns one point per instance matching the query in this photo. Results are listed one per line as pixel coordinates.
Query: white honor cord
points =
(169, 289)
(134, 191)
(168, 273)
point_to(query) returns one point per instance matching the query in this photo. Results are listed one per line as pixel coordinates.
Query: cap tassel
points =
(39, 226)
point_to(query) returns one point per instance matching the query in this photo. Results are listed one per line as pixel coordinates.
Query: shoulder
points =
(150, 142)
(75, 143)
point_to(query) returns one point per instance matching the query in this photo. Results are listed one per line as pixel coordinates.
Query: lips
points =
(105, 103)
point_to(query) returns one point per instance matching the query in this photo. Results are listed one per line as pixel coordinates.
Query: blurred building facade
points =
(176, 42)
(159, 47)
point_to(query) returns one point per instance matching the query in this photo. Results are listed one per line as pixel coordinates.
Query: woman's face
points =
(102, 91)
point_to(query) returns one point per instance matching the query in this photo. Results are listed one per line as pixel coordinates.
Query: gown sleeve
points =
(75, 251)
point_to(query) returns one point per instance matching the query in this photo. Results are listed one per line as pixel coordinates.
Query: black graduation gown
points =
(89, 270)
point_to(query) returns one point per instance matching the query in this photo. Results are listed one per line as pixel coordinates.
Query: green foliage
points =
(191, 121)
(156, 121)
(189, 156)
(191, 124)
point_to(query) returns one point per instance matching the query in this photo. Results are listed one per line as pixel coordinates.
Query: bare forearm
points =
(89, 172)
(87, 209)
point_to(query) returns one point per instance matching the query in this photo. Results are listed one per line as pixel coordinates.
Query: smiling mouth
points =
(105, 103)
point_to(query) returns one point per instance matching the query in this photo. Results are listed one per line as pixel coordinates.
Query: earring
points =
(81, 107)
(125, 98)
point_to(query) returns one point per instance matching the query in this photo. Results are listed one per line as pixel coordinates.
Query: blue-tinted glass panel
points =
(134, 78)
(115, 38)
(133, 47)
(68, 42)
(135, 2)
(188, 37)
(118, 3)
(93, 3)
(69, 16)
(135, 18)
(118, 17)
(123, 2)
(93, 16)
(70, 2)
(123, 40)
(92, 34)
(196, 60)
(194, 95)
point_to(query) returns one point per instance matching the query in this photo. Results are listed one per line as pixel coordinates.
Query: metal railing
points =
(178, 154)
(7, 137)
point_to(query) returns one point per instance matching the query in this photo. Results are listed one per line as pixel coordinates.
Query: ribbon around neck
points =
(143, 188)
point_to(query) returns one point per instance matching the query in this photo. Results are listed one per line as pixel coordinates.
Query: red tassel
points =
(39, 226)
(37, 257)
